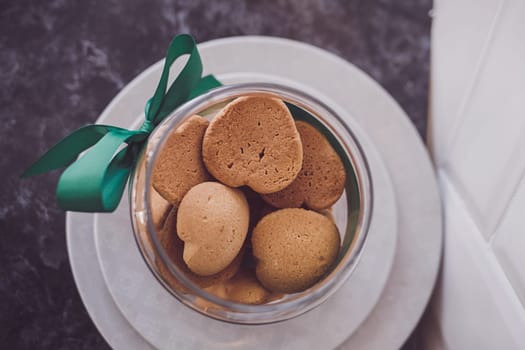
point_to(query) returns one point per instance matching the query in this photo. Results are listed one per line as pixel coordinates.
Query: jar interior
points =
(148, 217)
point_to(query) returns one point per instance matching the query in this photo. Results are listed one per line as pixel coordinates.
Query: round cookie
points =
(174, 248)
(243, 288)
(179, 165)
(212, 220)
(294, 248)
(322, 178)
(253, 141)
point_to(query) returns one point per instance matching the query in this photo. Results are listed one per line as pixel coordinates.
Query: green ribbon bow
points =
(96, 180)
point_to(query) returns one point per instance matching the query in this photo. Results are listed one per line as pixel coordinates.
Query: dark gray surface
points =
(61, 62)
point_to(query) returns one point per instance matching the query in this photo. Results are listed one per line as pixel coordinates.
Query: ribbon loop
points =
(96, 180)
(163, 102)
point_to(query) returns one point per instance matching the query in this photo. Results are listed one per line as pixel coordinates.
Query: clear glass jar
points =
(351, 212)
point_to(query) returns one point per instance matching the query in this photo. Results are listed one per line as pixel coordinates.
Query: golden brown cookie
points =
(160, 209)
(212, 220)
(294, 248)
(174, 248)
(322, 178)
(179, 165)
(253, 141)
(243, 288)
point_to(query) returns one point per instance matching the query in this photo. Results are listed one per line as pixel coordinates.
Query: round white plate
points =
(92, 289)
(419, 241)
(160, 318)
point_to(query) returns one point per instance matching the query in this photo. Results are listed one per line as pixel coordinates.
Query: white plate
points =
(417, 258)
(161, 319)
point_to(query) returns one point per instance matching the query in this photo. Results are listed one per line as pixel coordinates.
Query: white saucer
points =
(417, 257)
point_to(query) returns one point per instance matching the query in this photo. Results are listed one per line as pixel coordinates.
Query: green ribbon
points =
(95, 181)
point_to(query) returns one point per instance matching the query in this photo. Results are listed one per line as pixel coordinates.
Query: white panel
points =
(475, 303)
(488, 155)
(509, 242)
(460, 31)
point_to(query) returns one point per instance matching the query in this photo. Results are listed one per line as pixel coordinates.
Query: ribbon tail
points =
(95, 181)
(116, 178)
(67, 150)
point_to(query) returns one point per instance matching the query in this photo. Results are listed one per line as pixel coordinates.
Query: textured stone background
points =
(62, 61)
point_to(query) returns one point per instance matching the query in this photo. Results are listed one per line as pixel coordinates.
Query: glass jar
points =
(351, 212)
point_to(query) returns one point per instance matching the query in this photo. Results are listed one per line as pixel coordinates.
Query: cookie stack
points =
(240, 202)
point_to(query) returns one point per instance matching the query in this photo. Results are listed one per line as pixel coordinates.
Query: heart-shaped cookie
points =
(253, 141)
(322, 178)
